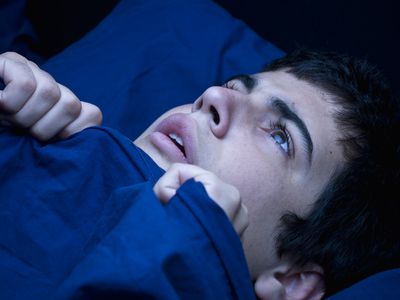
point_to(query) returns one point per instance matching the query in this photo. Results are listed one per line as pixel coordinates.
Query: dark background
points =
(367, 29)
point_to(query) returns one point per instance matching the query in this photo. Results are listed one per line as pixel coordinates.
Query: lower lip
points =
(167, 147)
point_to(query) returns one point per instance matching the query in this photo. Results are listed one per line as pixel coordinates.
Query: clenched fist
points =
(33, 100)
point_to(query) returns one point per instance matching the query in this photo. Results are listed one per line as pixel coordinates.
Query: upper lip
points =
(183, 126)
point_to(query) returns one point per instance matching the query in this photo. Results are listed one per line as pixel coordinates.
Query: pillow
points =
(148, 56)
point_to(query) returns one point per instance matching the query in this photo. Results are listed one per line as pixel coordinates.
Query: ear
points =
(290, 282)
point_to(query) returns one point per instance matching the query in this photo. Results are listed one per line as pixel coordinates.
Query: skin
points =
(230, 131)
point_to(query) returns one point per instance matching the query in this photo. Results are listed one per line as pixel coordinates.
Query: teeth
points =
(176, 138)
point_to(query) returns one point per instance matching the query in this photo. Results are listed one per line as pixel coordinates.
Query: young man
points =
(298, 143)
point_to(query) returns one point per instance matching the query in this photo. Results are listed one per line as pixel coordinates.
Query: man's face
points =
(270, 135)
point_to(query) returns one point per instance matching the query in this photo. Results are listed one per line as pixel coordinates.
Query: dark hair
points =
(353, 228)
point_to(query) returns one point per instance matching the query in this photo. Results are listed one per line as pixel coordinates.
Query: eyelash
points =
(282, 127)
(232, 85)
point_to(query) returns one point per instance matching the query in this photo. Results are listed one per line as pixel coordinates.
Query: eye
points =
(232, 85)
(281, 136)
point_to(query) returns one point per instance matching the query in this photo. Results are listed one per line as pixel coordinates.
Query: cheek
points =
(259, 237)
(264, 189)
(265, 202)
(255, 175)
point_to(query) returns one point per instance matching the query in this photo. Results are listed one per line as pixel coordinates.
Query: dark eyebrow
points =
(248, 81)
(284, 110)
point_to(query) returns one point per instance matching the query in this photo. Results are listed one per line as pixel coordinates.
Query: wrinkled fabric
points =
(79, 219)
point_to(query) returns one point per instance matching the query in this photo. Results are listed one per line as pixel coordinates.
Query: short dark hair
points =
(353, 228)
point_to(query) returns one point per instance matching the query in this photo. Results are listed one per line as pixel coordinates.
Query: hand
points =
(33, 100)
(225, 195)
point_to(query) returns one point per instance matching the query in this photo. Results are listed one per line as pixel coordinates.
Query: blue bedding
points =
(79, 219)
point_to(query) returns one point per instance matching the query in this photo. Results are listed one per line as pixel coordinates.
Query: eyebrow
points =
(283, 110)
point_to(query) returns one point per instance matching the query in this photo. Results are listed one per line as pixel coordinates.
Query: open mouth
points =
(177, 140)
(174, 138)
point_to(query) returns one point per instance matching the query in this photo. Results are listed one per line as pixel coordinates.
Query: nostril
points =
(214, 114)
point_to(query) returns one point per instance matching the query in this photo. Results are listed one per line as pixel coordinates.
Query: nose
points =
(218, 103)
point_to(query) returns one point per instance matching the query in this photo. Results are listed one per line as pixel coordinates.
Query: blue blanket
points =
(79, 219)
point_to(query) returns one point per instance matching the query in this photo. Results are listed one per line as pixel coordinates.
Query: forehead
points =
(288, 87)
(309, 101)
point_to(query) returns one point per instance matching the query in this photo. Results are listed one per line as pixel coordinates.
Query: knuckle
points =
(26, 84)
(14, 56)
(31, 63)
(71, 106)
(95, 114)
(8, 53)
(49, 92)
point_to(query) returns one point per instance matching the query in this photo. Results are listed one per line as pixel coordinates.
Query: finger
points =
(46, 95)
(176, 175)
(64, 112)
(20, 83)
(166, 187)
(90, 115)
(241, 221)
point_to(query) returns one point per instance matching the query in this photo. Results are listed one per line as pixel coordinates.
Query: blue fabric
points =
(149, 56)
(78, 219)
(384, 285)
